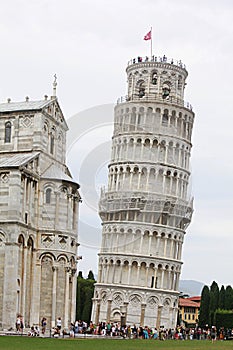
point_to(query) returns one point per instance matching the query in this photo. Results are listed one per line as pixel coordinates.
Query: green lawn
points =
(25, 343)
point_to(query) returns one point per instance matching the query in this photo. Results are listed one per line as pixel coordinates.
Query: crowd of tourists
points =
(107, 329)
(134, 332)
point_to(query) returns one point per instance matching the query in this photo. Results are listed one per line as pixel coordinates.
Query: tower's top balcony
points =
(154, 60)
(157, 79)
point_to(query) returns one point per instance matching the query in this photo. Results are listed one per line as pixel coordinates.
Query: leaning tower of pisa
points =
(147, 207)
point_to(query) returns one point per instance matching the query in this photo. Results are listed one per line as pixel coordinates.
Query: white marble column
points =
(150, 238)
(131, 179)
(36, 287)
(68, 210)
(54, 298)
(139, 179)
(165, 247)
(25, 198)
(56, 221)
(67, 297)
(107, 273)
(129, 273)
(113, 274)
(141, 243)
(162, 279)
(73, 295)
(155, 275)
(146, 279)
(24, 281)
(157, 244)
(138, 274)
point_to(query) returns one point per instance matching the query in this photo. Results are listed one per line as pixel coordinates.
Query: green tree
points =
(80, 274)
(88, 295)
(224, 318)
(214, 299)
(85, 291)
(221, 302)
(79, 296)
(204, 307)
(229, 298)
(91, 276)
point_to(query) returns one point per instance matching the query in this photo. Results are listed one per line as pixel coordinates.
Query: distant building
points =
(39, 203)
(146, 208)
(189, 310)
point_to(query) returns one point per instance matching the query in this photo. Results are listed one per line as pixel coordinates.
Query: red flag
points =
(148, 36)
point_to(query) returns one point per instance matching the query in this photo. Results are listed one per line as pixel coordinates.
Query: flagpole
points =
(151, 44)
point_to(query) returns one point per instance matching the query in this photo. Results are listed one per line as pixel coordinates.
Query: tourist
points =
(43, 325)
(59, 324)
(18, 323)
(213, 334)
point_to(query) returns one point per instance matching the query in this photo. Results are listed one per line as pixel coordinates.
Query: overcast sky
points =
(87, 43)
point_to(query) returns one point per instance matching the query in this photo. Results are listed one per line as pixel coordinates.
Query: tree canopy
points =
(213, 302)
(85, 291)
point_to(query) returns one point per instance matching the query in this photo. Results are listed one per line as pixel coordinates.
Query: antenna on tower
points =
(54, 86)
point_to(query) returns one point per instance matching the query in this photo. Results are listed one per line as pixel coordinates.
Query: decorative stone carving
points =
(104, 297)
(135, 300)
(26, 121)
(153, 302)
(117, 298)
(4, 177)
(166, 303)
(62, 241)
(47, 240)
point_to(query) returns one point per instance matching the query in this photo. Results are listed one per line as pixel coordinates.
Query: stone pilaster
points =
(142, 317)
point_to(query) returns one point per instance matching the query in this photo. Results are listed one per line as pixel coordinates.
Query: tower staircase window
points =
(152, 281)
(48, 196)
(7, 132)
(51, 144)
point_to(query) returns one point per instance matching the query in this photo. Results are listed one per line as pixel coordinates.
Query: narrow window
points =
(7, 132)
(152, 281)
(154, 79)
(165, 118)
(48, 196)
(51, 144)
(166, 91)
(179, 82)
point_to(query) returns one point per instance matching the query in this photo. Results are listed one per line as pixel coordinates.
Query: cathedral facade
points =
(39, 203)
(147, 207)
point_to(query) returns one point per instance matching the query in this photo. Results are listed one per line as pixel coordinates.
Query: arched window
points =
(165, 118)
(154, 78)
(141, 89)
(48, 196)
(52, 135)
(7, 132)
(51, 144)
(179, 82)
(166, 90)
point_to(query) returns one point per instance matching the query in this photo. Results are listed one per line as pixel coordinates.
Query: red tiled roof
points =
(197, 298)
(188, 302)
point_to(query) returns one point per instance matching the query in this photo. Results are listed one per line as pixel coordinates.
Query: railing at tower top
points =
(158, 59)
(154, 97)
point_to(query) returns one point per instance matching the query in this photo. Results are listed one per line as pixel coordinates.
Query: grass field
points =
(25, 343)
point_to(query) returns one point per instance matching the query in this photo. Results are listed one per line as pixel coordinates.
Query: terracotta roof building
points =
(189, 310)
